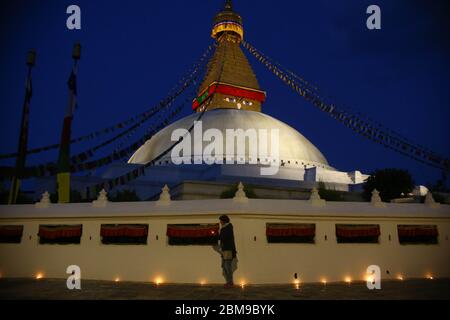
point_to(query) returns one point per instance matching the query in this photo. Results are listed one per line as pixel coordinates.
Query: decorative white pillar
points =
(315, 199)
(44, 202)
(240, 195)
(376, 199)
(102, 199)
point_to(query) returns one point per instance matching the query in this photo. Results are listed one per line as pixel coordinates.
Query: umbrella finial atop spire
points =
(228, 5)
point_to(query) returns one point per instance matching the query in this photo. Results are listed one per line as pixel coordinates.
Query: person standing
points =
(228, 249)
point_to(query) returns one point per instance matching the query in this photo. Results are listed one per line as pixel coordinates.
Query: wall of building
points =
(258, 261)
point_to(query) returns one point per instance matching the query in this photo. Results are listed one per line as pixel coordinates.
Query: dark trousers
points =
(228, 270)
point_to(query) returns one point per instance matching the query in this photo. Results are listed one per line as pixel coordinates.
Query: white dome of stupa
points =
(294, 148)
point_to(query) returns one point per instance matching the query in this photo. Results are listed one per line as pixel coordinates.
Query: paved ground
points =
(56, 289)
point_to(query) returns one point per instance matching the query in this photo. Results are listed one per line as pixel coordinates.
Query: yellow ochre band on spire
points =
(227, 26)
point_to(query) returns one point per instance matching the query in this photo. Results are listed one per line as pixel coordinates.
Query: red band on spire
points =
(230, 90)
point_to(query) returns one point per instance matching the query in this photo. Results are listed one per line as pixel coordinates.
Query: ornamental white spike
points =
(315, 199)
(102, 199)
(164, 197)
(376, 199)
(240, 195)
(429, 201)
(45, 201)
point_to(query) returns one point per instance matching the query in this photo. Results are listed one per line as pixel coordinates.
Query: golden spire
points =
(230, 81)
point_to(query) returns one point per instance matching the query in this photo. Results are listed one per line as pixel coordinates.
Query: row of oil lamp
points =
(159, 280)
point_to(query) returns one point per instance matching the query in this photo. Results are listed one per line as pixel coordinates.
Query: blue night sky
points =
(134, 52)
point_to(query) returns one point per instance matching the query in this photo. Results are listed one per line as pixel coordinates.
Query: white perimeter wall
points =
(259, 261)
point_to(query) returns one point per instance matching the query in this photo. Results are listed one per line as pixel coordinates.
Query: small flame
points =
(39, 276)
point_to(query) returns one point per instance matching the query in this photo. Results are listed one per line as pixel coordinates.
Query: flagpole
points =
(23, 135)
(63, 175)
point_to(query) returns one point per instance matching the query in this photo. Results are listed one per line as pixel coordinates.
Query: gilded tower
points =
(230, 82)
